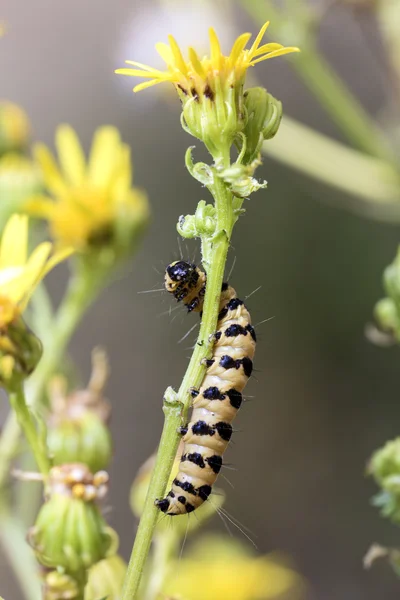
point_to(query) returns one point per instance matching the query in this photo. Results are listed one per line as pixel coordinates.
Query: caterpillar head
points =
(180, 274)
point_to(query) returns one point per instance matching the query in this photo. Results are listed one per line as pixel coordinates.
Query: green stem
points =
(165, 549)
(329, 89)
(82, 289)
(19, 556)
(176, 405)
(27, 423)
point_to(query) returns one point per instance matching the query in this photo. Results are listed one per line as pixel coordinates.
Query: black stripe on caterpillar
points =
(219, 398)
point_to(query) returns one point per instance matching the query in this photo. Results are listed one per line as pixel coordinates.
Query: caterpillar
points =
(219, 398)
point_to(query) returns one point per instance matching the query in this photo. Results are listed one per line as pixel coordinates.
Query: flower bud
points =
(19, 178)
(385, 312)
(70, 532)
(264, 114)
(106, 579)
(87, 440)
(385, 462)
(20, 350)
(59, 586)
(384, 466)
(78, 430)
(391, 279)
(14, 128)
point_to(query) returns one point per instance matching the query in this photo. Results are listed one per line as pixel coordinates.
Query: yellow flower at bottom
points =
(94, 204)
(20, 274)
(218, 568)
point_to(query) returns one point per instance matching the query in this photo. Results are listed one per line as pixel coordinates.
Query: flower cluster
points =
(93, 204)
(211, 88)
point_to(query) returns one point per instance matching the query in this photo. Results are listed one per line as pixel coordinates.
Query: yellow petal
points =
(34, 272)
(136, 72)
(196, 63)
(178, 58)
(147, 84)
(258, 39)
(23, 282)
(215, 48)
(141, 66)
(56, 258)
(267, 48)
(52, 176)
(70, 155)
(104, 155)
(238, 47)
(14, 242)
(39, 206)
(165, 52)
(275, 53)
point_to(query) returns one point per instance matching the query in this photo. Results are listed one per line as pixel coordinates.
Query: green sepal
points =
(200, 171)
(20, 352)
(264, 115)
(240, 181)
(69, 533)
(203, 222)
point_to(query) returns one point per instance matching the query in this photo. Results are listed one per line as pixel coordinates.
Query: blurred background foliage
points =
(317, 242)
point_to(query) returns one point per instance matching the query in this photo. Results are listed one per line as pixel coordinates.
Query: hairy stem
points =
(176, 405)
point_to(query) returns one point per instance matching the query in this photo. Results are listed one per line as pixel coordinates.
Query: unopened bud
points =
(59, 586)
(385, 462)
(106, 579)
(385, 312)
(19, 179)
(20, 352)
(70, 532)
(14, 128)
(78, 430)
(264, 114)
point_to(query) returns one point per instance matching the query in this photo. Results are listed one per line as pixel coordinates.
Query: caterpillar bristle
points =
(219, 397)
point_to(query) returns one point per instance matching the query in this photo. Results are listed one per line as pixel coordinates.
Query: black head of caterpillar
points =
(187, 283)
(220, 395)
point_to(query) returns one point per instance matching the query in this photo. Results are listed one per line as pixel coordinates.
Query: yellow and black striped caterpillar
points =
(219, 398)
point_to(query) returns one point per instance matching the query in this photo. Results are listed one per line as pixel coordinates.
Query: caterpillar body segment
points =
(219, 398)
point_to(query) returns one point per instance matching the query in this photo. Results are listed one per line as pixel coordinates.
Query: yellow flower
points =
(20, 274)
(14, 127)
(199, 77)
(94, 204)
(232, 573)
(210, 88)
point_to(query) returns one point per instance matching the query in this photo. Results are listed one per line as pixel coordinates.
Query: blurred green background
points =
(324, 397)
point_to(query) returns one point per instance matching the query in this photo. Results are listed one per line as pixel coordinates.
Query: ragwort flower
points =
(210, 88)
(232, 572)
(95, 205)
(20, 350)
(20, 274)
